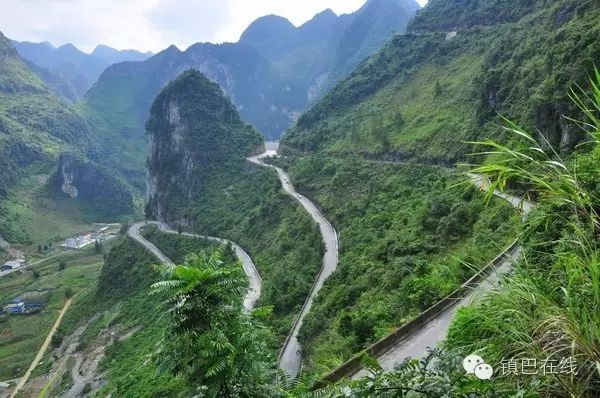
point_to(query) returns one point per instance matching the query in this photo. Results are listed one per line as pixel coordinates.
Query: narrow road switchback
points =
(249, 268)
(290, 359)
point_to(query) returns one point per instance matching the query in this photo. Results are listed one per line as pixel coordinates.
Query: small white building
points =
(78, 242)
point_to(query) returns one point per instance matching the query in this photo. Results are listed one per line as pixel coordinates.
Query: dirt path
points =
(43, 348)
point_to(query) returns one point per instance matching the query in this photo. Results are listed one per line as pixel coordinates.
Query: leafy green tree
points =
(62, 265)
(212, 342)
(98, 247)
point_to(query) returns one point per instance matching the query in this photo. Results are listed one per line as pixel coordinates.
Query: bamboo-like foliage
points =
(551, 313)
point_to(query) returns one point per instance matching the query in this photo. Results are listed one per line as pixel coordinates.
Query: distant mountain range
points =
(272, 74)
(68, 70)
(328, 47)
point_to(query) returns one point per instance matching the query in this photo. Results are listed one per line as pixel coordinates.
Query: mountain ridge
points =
(75, 68)
(269, 90)
(36, 129)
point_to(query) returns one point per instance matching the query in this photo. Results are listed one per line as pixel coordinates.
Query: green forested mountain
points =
(117, 107)
(272, 74)
(313, 56)
(195, 132)
(68, 69)
(198, 178)
(419, 101)
(376, 155)
(426, 92)
(35, 127)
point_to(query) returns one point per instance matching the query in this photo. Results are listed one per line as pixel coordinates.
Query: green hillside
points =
(199, 179)
(272, 74)
(424, 93)
(36, 127)
(409, 235)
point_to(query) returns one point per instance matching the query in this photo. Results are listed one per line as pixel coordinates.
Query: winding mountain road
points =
(290, 360)
(416, 344)
(249, 268)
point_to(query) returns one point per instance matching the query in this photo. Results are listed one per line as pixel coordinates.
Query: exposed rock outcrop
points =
(194, 131)
(85, 181)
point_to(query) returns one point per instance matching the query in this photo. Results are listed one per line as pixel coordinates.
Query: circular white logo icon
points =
(483, 371)
(470, 362)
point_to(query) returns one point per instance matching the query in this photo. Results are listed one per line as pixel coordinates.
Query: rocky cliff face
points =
(89, 183)
(195, 131)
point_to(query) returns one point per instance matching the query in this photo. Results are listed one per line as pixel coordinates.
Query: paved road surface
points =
(523, 205)
(249, 268)
(290, 360)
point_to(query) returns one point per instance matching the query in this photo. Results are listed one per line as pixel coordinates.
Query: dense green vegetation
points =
(150, 361)
(120, 303)
(408, 237)
(549, 308)
(409, 233)
(422, 95)
(545, 314)
(285, 244)
(206, 185)
(211, 342)
(177, 247)
(452, 15)
(196, 131)
(35, 128)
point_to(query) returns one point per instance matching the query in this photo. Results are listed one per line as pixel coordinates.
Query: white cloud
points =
(149, 24)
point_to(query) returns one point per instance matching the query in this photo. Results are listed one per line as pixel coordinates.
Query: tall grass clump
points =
(549, 308)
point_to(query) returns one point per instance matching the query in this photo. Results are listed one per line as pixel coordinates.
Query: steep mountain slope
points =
(328, 47)
(35, 127)
(117, 106)
(420, 99)
(198, 178)
(194, 131)
(424, 94)
(371, 27)
(271, 75)
(72, 66)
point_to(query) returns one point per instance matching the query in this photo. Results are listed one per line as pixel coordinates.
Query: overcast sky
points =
(149, 24)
